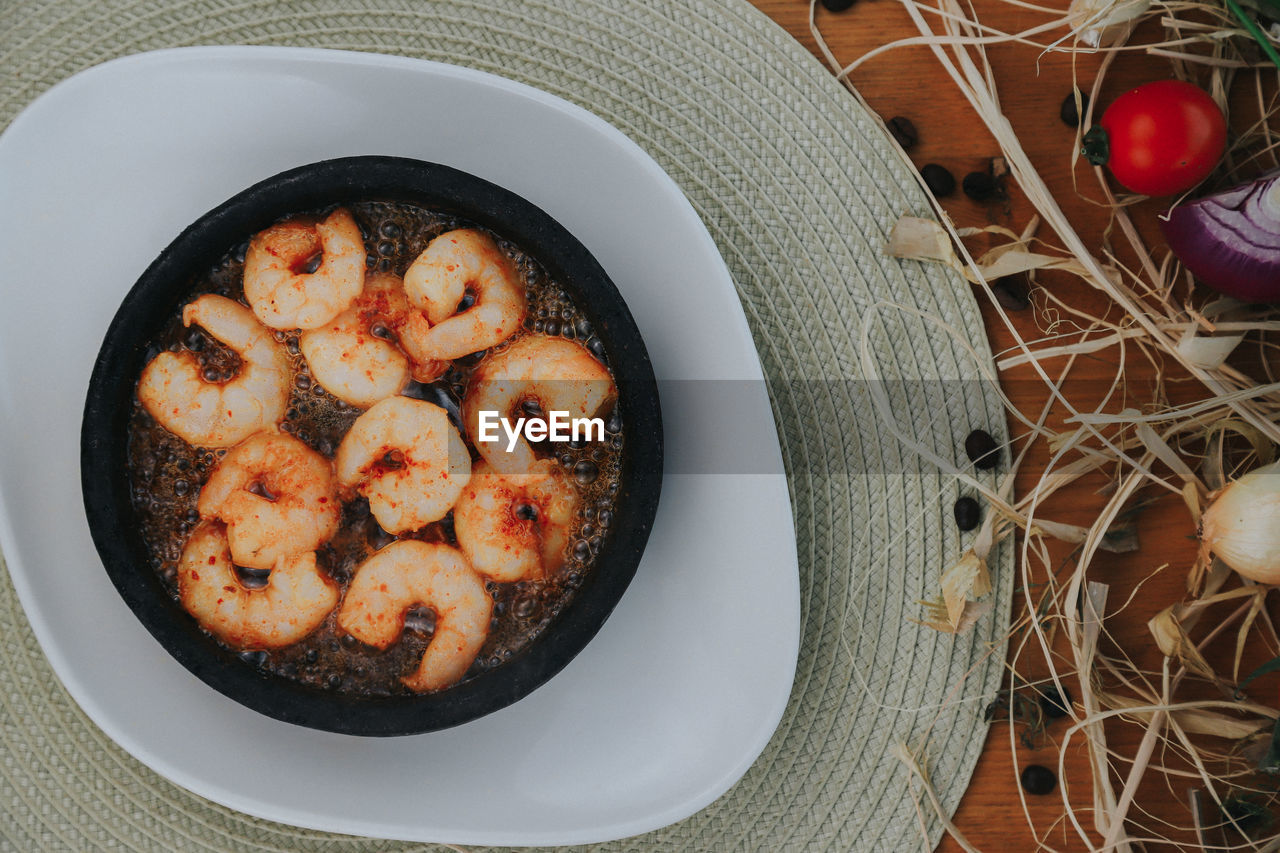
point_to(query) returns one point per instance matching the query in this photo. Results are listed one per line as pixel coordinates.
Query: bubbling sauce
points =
(166, 474)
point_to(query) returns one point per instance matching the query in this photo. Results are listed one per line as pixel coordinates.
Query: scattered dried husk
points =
(1174, 642)
(1205, 749)
(953, 612)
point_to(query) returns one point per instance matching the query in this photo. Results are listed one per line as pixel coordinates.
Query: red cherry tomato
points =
(1160, 138)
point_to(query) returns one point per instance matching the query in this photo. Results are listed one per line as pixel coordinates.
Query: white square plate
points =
(683, 687)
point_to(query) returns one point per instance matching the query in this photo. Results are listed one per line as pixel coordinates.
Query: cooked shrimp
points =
(277, 497)
(557, 374)
(409, 461)
(173, 388)
(409, 573)
(518, 527)
(411, 329)
(296, 599)
(353, 355)
(455, 263)
(282, 294)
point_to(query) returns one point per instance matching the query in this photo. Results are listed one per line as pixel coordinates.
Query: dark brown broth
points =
(166, 474)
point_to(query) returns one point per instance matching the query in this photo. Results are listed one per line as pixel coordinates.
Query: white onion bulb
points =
(1242, 525)
(1101, 23)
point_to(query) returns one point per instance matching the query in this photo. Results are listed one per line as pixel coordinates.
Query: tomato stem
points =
(1097, 146)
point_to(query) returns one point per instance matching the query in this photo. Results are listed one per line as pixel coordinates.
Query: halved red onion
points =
(1231, 240)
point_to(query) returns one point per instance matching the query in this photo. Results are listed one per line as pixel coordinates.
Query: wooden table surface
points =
(910, 82)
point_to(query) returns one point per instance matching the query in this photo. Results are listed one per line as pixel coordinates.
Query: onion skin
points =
(1242, 525)
(1231, 240)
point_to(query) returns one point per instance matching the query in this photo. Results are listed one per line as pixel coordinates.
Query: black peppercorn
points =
(979, 186)
(1039, 780)
(940, 182)
(1053, 703)
(1011, 293)
(1068, 113)
(903, 130)
(981, 449)
(968, 513)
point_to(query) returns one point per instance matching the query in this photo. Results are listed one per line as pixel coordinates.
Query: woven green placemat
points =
(798, 187)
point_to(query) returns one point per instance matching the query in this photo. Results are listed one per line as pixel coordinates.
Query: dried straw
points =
(1137, 438)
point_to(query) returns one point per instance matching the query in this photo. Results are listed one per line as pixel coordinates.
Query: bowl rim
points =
(167, 283)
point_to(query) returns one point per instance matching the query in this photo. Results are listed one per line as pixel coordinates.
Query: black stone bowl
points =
(166, 285)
